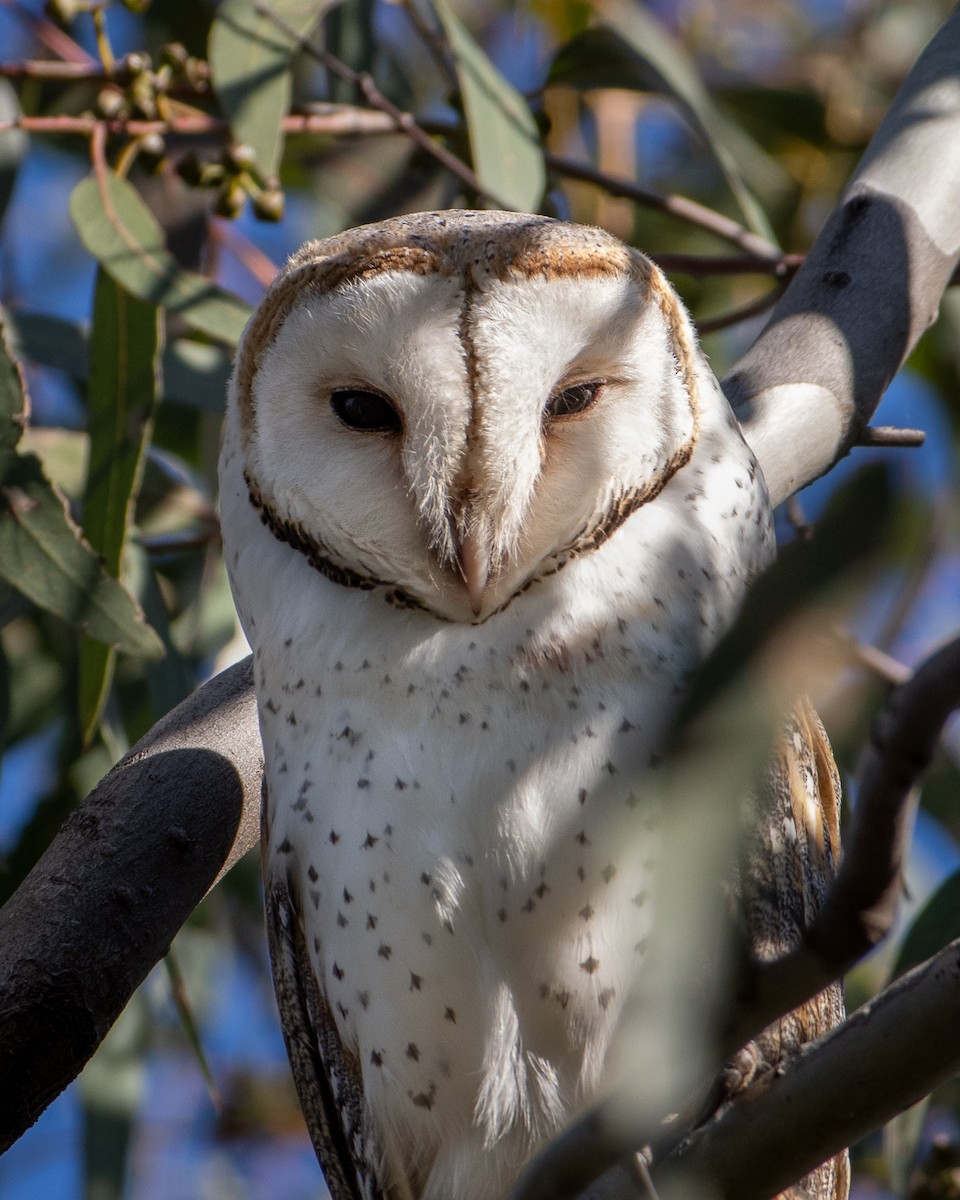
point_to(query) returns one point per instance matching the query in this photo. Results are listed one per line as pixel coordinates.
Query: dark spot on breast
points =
(312, 873)
(586, 912)
(415, 981)
(334, 837)
(376, 1057)
(337, 971)
(413, 1052)
(370, 842)
(384, 951)
(284, 847)
(450, 1015)
(590, 965)
(371, 921)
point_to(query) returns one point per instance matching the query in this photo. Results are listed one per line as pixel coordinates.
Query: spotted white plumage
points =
(484, 510)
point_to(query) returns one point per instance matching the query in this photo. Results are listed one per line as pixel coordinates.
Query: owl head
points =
(454, 405)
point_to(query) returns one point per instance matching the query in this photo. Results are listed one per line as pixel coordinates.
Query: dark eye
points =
(575, 399)
(368, 412)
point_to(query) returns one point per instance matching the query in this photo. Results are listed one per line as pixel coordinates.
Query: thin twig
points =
(676, 206)
(729, 264)
(891, 435)
(259, 265)
(51, 36)
(341, 120)
(735, 316)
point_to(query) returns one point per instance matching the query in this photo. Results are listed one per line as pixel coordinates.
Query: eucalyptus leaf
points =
(122, 234)
(192, 373)
(124, 348)
(250, 61)
(43, 556)
(504, 141)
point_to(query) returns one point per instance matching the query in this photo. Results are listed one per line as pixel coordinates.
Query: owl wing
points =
(789, 862)
(327, 1073)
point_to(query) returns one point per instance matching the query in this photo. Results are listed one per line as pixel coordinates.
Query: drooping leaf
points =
(42, 553)
(124, 345)
(936, 924)
(504, 142)
(250, 60)
(43, 556)
(121, 233)
(635, 51)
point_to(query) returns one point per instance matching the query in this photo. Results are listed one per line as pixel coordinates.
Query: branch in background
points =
(871, 284)
(127, 868)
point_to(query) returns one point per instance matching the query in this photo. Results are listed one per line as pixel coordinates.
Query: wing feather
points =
(790, 861)
(327, 1073)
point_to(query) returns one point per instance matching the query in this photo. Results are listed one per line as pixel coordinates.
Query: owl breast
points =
(463, 808)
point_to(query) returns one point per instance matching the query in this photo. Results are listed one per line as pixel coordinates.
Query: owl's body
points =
(471, 627)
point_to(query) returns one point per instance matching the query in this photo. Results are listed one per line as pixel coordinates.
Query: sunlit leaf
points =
(638, 52)
(250, 59)
(124, 345)
(121, 233)
(504, 141)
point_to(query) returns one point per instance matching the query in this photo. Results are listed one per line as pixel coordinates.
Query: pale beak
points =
(473, 559)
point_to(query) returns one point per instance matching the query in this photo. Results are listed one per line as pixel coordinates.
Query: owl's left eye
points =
(367, 412)
(574, 399)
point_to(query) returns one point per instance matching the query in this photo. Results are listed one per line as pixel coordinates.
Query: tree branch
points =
(870, 285)
(123, 874)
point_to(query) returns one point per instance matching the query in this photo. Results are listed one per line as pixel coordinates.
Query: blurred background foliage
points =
(157, 160)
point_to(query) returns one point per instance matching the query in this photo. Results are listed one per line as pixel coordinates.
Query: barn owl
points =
(484, 511)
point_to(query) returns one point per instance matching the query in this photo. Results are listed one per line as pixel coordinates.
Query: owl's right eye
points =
(367, 412)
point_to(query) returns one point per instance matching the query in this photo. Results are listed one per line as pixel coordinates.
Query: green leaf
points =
(937, 923)
(42, 553)
(504, 141)
(121, 233)
(192, 373)
(13, 404)
(637, 52)
(250, 59)
(124, 347)
(43, 556)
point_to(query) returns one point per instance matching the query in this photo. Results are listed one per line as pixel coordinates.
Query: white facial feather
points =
(469, 637)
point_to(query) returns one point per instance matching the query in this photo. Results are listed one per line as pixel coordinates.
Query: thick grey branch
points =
(869, 287)
(120, 878)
